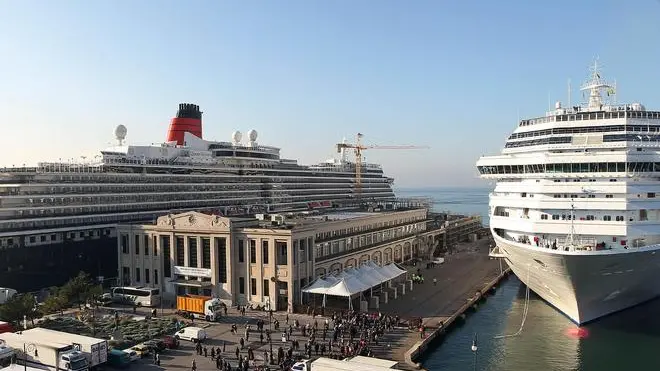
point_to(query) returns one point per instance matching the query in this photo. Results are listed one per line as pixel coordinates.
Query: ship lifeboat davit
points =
(577, 333)
(188, 119)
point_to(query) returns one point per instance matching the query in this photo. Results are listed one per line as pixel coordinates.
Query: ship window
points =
(609, 196)
(555, 217)
(650, 195)
(544, 216)
(590, 217)
(607, 218)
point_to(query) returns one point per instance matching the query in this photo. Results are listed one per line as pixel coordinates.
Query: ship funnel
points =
(188, 119)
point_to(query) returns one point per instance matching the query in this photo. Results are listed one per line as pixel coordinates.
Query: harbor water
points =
(628, 340)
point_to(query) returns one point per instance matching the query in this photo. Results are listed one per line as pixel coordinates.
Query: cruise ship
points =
(59, 218)
(576, 207)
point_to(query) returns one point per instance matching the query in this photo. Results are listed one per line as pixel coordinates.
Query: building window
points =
(154, 245)
(281, 251)
(155, 276)
(650, 195)
(264, 252)
(147, 277)
(221, 246)
(609, 196)
(137, 244)
(266, 288)
(206, 253)
(241, 285)
(180, 254)
(124, 243)
(167, 263)
(544, 216)
(619, 218)
(145, 242)
(555, 217)
(241, 251)
(253, 251)
(192, 252)
(126, 275)
(607, 218)
(253, 286)
(137, 274)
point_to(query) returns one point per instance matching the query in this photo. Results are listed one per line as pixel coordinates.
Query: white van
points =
(194, 334)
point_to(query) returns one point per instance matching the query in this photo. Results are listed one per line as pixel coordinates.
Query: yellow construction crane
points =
(358, 147)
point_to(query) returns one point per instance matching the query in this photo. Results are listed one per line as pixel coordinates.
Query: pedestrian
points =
(194, 366)
(435, 281)
(157, 359)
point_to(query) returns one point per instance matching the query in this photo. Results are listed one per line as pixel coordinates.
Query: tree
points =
(53, 303)
(18, 306)
(79, 290)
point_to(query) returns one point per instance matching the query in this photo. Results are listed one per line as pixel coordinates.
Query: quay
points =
(465, 278)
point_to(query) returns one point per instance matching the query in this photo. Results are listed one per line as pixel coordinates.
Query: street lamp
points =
(474, 349)
(270, 329)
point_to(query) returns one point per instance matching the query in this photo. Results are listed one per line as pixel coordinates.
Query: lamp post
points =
(28, 347)
(474, 350)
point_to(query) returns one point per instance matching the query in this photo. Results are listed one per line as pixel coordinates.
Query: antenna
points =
(569, 93)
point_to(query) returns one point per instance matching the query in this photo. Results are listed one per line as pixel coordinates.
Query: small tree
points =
(79, 289)
(54, 303)
(18, 306)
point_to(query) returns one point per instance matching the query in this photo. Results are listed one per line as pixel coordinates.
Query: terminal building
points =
(267, 260)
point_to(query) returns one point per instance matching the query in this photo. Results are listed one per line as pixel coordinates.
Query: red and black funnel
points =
(188, 119)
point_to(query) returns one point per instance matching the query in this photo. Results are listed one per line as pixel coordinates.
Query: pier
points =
(462, 281)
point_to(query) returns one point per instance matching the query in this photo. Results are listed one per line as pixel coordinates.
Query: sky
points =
(452, 75)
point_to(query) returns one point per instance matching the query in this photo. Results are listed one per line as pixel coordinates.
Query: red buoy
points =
(577, 333)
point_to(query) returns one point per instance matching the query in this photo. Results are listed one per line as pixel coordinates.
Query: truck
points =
(7, 355)
(6, 294)
(203, 307)
(44, 353)
(17, 367)
(6, 327)
(96, 350)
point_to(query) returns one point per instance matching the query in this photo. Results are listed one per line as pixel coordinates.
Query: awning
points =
(192, 283)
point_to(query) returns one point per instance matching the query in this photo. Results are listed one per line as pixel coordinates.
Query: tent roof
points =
(348, 286)
(318, 287)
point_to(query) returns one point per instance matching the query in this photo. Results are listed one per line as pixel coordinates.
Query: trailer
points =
(44, 353)
(203, 307)
(17, 367)
(96, 350)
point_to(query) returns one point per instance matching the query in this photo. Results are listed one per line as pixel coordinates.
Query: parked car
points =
(170, 342)
(141, 349)
(132, 354)
(156, 346)
(194, 334)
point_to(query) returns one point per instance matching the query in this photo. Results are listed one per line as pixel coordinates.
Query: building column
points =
(199, 251)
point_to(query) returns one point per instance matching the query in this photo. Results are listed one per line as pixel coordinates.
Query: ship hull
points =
(586, 286)
(29, 269)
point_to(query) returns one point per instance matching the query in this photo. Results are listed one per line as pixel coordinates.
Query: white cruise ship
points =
(58, 218)
(576, 208)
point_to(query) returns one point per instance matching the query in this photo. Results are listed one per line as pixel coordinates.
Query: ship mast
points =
(570, 239)
(594, 86)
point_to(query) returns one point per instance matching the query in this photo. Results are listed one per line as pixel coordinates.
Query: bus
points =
(140, 296)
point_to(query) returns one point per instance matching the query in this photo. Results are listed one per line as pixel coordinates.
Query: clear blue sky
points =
(454, 75)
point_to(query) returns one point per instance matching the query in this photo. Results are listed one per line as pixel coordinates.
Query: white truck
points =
(96, 350)
(17, 367)
(45, 354)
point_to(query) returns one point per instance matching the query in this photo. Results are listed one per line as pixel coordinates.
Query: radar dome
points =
(237, 136)
(120, 132)
(252, 134)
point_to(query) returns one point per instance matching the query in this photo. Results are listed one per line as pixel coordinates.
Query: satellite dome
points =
(237, 136)
(252, 134)
(120, 132)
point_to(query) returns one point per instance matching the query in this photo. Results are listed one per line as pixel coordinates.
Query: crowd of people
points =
(344, 334)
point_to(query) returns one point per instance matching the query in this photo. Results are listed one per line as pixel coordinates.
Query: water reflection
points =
(629, 340)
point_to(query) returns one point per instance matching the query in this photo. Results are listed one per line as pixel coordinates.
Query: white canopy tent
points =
(352, 281)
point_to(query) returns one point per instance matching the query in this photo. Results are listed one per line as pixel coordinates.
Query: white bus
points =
(140, 296)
